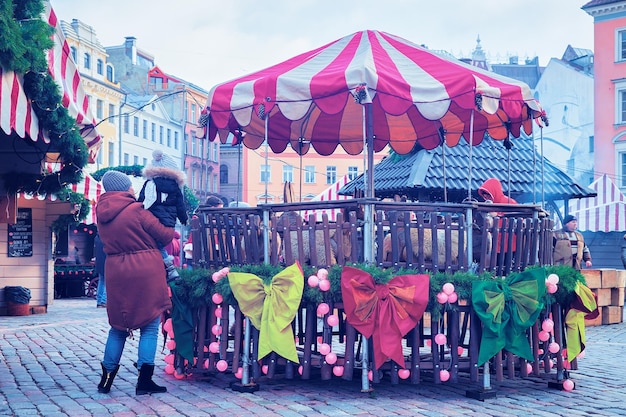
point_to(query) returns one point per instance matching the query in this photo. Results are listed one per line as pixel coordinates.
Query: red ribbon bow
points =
(385, 311)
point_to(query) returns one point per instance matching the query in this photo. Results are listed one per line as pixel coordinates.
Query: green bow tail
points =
(584, 304)
(271, 308)
(507, 308)
(182, 322)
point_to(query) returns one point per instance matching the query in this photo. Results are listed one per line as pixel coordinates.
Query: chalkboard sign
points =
(20, 234)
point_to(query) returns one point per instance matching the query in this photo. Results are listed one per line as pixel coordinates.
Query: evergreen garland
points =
(24, 40)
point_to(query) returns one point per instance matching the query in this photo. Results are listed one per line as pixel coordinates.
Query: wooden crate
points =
(593, 278)
(608, 278)
(621, 278)
(617, 297)
(604, 296)
(595, 322)
(612, 314)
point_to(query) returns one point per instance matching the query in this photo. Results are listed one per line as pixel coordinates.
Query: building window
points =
(145, 161)
(73, 52)
(126, 126)
(309, 174)
(100, 67)
(353, 172)
(620, 102)
(331, 174)
(153, 132)
(110, 73)
(622, 161)
(194, 145)
(145, 129)
(193, 178)
(126, 159)
(620, 45)
(215, 183)
(223, 174)
(193, 113)
(591, 144)
(111, 154)
(99, 109)
(87, 61)
(216, 151)
(161, 135)
(111, 113)
(287, 173)
(169, 138)
(135, 160)
(175, 140)
(135, 126)
(266, 173)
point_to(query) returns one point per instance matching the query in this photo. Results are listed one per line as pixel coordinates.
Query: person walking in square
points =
(137, 290)
(569, 245)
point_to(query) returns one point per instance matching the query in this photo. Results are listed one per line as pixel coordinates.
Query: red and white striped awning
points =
(604, 213)
(16, 112)
(329, 194)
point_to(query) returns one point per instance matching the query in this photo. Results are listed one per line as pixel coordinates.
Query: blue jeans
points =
(101, 293)
(147, 345)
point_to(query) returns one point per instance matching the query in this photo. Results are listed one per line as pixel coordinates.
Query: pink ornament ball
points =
(553, 279)
(554, 347)
(313, 281)
(265, 369)
(529, 369)
(568, 385)
(581, 355)
(338, 370)
(453, 298)
(169, 369)
(332, 320)
(320, 339)
(216, 276)
(221, 365)
(206, 364)
(324, 285)
(547, 325)
(322, 309)
(448, 288)
(170, 344)
(428, 343)
(169, 359)
(404, 373)
(442, 297)
(167, 326)
(552, 288)
(322, 273)
(331, 358)
(217, 298)
(214, 347)
(444, 375)
(239, 373)
(300, 369)
(205, 349)
(216, 330)
(370, 375)
(324, 348)
(440, 339)
(543, 335)
(460, 350)
(178, 376)
(218, 312)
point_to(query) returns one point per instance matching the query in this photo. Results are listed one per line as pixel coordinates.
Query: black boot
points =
(170, 269)
(107, 379)
(145, 385)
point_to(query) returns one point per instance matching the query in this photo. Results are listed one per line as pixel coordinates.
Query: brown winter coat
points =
(137, 291)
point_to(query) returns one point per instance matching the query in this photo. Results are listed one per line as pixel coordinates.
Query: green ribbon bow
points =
(583, 306)
(506, 309)
(271, 308)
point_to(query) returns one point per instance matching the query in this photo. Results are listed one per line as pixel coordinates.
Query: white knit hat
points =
(161, 159)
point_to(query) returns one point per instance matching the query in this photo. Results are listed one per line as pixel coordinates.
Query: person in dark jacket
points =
(137, 290)
(101, 292)
(162, 195)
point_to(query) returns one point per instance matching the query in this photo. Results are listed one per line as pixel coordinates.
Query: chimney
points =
(130, 49)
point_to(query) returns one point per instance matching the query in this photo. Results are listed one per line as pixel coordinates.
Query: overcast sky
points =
(207, 42)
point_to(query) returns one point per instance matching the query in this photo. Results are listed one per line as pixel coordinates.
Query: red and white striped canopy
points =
(329, 194)
(416, 95)
(16, 113)
(604, 213)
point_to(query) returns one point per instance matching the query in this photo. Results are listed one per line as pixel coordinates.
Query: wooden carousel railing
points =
(421, 237)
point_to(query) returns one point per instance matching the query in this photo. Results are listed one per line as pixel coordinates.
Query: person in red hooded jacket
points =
(137, 291)
(491, 192)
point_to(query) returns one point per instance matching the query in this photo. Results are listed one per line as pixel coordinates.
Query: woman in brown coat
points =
(137, 292)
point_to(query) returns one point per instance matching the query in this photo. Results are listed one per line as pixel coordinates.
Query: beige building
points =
(97, 76)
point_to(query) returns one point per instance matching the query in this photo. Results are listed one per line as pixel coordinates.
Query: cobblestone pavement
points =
(50, 366)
